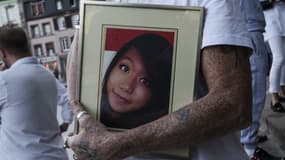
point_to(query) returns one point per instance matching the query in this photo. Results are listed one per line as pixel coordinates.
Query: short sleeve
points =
(224, 24)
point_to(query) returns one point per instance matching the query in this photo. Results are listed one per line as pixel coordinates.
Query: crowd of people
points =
(231, 88)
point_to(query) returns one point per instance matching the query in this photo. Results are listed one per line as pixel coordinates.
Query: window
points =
(47, 29)
(38, 50)
(61, 23)
(64, 44)
(75, 20)
(50, 49)
(37, 8)
(11, 14)
(58, 4)
(35, 29)
(72, 3)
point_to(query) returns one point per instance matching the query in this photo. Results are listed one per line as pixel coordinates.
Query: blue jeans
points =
(258, 62)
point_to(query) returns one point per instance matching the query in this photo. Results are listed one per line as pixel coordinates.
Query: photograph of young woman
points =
(136, 85)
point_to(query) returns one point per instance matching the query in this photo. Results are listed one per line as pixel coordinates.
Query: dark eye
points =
(124, 68)
(145, 82)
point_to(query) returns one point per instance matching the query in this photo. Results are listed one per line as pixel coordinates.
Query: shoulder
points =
(2, 81)
(224, 24)
(5, 73)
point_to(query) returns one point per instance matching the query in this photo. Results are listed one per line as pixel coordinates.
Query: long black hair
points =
(156, 54)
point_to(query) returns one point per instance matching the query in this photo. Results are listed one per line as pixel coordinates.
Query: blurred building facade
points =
(11, 13)
(51, 25)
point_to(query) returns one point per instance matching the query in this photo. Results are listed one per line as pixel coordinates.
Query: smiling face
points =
(128, 86)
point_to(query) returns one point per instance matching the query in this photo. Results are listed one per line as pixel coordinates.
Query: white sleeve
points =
(63, 101)
(224, 24)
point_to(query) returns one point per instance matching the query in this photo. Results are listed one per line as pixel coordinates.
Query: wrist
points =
(121, 145)
(130, 144)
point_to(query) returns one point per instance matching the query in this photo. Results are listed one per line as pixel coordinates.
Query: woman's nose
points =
(127, 85)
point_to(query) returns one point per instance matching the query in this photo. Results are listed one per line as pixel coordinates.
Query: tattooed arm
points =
(227, 74)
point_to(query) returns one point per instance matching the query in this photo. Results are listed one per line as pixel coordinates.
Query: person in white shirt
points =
(275, 35)
(258, 60)
(28, 103)
(208, 124)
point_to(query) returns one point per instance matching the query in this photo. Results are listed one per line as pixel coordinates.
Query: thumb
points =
(73, 142)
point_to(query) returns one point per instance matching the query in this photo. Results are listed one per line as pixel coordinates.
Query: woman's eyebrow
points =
(127, 58)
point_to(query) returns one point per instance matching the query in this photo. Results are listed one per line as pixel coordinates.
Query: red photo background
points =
(117, 37)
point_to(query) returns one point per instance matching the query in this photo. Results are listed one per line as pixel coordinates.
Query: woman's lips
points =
(120, 99)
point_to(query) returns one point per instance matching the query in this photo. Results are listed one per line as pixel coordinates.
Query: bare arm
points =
(227, 107)
(72, 66)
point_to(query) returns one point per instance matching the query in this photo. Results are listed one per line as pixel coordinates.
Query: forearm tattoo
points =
(90, 154)
(91, 129)
(224, 67)
(182, 115)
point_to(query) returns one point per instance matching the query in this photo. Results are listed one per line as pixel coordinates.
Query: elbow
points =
(245, 118)
(245, 115)
(242, 102)
(235, 105)
(245, 98)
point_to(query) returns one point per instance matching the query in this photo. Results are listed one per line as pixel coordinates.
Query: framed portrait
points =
(138, 62)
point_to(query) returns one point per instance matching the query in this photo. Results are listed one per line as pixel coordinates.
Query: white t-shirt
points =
(224, 22)
(224, 25)
(275, 21)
